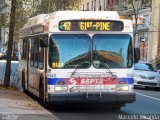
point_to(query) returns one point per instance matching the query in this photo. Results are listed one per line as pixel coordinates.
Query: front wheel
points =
(42, 94)
(157, 88)
(147, 87)
(117, 106)
(41, 90)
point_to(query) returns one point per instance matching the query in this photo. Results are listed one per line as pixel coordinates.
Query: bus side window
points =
(32, 53)
(41, 58)
(43, 41)
(41, 50)
(24, 51)
(36, 51)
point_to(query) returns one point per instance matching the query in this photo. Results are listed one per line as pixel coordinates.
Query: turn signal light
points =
(122, 82)
(122, 17)
(113, 89)
(61, 83)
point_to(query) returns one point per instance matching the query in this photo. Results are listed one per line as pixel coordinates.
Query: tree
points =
(135, 7)
(10, 43)
(48, 6)
(156, 62)
(1, 20)
(24, 10)
(31, 7)
(132, 9)
(21, 18)
(66, 5)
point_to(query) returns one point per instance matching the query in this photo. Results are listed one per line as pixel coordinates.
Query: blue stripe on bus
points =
(127, 80)
(54, 81)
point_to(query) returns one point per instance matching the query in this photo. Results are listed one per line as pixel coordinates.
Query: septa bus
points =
(78, 57)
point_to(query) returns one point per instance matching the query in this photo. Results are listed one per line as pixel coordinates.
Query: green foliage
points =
(4, 17)
(66, 5)
(1, 21)
(24, 10)
(29, 8)
(20, 18)
(156, 62)
(48, 6)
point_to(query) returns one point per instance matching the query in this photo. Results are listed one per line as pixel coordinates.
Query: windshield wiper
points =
(73, 74)
(106, 66)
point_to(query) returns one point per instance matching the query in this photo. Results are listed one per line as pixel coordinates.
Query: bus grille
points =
(95, 88)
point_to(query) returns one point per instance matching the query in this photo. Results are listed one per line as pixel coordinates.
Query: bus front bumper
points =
(92, 97)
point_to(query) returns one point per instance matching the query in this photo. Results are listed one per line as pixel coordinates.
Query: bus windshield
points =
(69, 51)
(79, 51)
(112, 51)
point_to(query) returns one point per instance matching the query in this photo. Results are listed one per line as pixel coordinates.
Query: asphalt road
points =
(147, 102)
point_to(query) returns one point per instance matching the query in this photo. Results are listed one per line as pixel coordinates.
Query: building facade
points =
(142, 8)
(99, 5)
(155, 30)
(143, 36)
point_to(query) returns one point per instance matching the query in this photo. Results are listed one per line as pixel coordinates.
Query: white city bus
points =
(78, 57)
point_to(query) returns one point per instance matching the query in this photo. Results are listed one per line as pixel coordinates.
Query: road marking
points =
(147, 96)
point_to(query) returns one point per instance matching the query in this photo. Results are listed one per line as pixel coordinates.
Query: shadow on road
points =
(85, 112)
(147, 88)
(84, 108)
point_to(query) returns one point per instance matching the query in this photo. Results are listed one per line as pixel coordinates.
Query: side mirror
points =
(44, 42)
(136, 55)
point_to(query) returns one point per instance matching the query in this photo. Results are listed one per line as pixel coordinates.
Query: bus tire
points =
(117, 106)
(41, 94)
(147, 87)
(23, 81)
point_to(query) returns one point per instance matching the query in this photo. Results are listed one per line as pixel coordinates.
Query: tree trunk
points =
(136, 18)
(0, 36)
(10, 43)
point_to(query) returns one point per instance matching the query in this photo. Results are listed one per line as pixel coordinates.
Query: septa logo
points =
(90, 81)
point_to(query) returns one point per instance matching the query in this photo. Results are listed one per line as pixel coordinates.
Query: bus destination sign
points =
(90, 25)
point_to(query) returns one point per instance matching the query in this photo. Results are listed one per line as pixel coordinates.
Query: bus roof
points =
(84, 14)
(45, 23)
(73, 15)
(36, 20)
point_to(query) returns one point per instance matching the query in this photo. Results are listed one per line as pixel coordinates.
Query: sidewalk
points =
(15, 105)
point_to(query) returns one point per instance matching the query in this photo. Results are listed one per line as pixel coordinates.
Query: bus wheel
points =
(41, 94)
(23, 81)
(117, 107)
(147, 87)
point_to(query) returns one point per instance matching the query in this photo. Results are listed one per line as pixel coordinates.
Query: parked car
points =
(2, 55)
(14, 55)
(145, 75)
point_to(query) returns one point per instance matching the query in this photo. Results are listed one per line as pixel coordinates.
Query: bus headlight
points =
(60, 88)
(123, 88)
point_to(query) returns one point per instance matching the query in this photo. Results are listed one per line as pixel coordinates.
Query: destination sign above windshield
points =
(90, 25)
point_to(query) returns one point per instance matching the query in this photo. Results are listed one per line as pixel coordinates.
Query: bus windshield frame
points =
(70, 51)
(90, 25)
